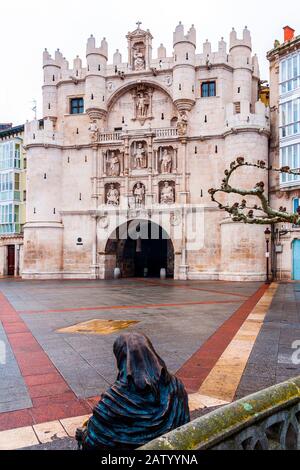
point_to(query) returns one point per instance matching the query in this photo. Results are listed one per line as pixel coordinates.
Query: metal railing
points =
(266, 420)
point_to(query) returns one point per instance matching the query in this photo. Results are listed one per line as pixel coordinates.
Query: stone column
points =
(95, 174)
(126, 155)
(183, 152)
(183, 268)
(95, 266)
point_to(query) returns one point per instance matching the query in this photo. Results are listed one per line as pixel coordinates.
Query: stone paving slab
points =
(86, 361)
(65, 372)
(13, 390)
(271, 359)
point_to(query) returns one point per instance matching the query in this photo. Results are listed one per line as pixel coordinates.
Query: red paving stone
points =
(51, 396)
(15, 419)
(210, 352)
(42, 379)
(127, 307)
(188, 287)
(58, 399)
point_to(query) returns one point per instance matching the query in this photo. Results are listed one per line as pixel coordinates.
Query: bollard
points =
(117, 273)
(163, 273)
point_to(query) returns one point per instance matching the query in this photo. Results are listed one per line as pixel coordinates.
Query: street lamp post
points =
(268, 239)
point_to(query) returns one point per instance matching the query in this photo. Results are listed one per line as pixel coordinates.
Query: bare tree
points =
(260, 213)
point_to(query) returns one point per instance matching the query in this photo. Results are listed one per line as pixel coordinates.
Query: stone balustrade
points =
(110, 137)
(168, 132)
(266, 420)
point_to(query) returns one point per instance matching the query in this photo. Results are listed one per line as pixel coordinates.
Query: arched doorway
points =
(141, 248)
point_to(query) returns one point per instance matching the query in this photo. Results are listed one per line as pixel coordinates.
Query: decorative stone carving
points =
(166, 161)
(94, 131)
(142, 97)
(140, 155)
(110, 86)
(175, 218)
(138, 57)
(113, 164)
(139, 192)
(104, 222)
(139, 48)
(167, 192)
(112, 194)
(182, 123)
(168, 80)
(142, 105)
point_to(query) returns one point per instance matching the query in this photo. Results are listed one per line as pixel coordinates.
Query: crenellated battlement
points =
(245, 117)
(179, 36)
(245, 41)
(238, 55)
(41, 133)
(92, 49)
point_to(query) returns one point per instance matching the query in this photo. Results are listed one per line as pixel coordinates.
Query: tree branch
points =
(237, 210)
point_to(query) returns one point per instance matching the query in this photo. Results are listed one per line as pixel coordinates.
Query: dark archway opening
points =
(144, 251)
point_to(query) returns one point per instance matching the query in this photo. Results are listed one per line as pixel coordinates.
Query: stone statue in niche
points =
(139, 194)
(112, 196)
(138, 59)
(166, 162)
(94, 131)
(142, 97)
(182, 123)
(142, 105)
(140, 156)
(167, 195)
(114, 166)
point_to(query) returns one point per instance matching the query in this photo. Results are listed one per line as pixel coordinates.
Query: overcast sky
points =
(27, 27)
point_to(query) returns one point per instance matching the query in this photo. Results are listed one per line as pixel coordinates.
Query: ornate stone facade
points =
(143, 140)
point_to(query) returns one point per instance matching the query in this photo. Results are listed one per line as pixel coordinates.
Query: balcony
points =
(118, 136)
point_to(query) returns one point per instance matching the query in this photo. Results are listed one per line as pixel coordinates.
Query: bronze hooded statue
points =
(145, 402)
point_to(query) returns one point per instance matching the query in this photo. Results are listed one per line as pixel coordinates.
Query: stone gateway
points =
(142, 140)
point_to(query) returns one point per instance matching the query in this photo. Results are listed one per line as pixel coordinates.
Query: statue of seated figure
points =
(145, 402)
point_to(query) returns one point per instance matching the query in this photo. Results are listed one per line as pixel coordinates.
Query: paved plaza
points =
(224, 340)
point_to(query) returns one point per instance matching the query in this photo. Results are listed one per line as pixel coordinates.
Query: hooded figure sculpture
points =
(145, 402)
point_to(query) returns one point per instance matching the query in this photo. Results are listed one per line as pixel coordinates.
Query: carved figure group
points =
(142, 105)
(138, 59)
(139, 195)
(166, 162)
(114, 164)
(113, 196)
(182, 123)
(94, 130)
(140, 156)
(167, 195)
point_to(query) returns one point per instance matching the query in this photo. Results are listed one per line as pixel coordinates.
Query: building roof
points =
(11, 131)
(284, 48)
